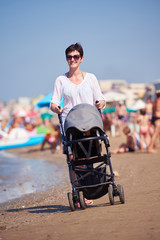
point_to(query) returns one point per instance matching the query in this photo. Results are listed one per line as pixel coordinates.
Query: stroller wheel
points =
(121, 193)
(110, 193)
(82, 201)
(71, 202)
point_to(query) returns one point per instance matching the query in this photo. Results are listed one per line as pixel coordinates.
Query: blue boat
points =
(24, 142)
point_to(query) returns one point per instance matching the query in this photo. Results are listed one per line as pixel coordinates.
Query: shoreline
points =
(33, 152)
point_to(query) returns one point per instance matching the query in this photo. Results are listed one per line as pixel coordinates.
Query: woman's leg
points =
(141, 142)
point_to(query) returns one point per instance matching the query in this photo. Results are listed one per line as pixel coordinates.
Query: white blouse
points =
(88, 91)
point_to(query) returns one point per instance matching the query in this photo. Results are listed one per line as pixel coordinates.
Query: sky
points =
(120, 38)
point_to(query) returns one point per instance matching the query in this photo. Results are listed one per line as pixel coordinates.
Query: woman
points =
(75, 86)
(144, 127)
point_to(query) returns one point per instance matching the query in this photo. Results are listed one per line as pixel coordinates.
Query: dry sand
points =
(46, 215)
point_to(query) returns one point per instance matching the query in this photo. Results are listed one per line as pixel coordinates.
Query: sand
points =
(46, 215)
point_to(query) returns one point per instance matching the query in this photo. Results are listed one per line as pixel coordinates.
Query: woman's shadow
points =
(55, 208)
(43, 209)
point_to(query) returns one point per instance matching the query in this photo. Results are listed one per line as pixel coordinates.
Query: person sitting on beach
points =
(17, 122)
(143, 121)
(53, 138)
(129, 146)
(30, 128)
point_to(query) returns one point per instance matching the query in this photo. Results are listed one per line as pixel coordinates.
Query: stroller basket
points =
(92, 182)
(89, 177)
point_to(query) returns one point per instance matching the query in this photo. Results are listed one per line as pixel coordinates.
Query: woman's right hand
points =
(56, 108)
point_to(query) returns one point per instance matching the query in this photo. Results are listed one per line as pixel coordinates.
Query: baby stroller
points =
(90, 171)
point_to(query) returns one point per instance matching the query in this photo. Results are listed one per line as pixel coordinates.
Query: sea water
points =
(19, 177)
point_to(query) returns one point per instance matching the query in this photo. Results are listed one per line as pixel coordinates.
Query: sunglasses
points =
(75, 57)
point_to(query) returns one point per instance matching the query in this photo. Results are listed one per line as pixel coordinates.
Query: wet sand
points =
(20, 176)
(46, 215)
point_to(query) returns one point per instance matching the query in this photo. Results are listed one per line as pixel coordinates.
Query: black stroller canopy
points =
(83, 117)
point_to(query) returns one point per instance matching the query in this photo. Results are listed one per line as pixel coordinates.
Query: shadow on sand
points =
(56, 208)
(43, 209)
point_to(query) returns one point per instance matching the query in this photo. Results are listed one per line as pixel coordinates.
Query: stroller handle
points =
(99, 108)
(61, 124)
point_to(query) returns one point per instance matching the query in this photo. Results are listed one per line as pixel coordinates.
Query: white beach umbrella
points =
(139, 104)
(113, 96)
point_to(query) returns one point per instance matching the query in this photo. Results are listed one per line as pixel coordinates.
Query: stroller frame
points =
(84, 177)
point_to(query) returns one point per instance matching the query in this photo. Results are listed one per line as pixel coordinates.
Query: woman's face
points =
(74, 59)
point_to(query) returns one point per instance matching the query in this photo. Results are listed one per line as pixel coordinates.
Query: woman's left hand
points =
(100, 104)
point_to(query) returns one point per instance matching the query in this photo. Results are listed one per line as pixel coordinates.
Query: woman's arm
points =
(97, 93)
(56, 97)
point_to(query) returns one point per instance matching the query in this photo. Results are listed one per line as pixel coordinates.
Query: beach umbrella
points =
(46, 116)
(20, 113)
(113, 96)
(108, 110)
(139, 104)
(45, 102)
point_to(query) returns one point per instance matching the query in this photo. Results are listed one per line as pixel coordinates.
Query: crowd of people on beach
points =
(141, 128)
(20, 127)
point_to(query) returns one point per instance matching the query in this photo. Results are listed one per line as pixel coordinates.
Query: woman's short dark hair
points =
(74, 47)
